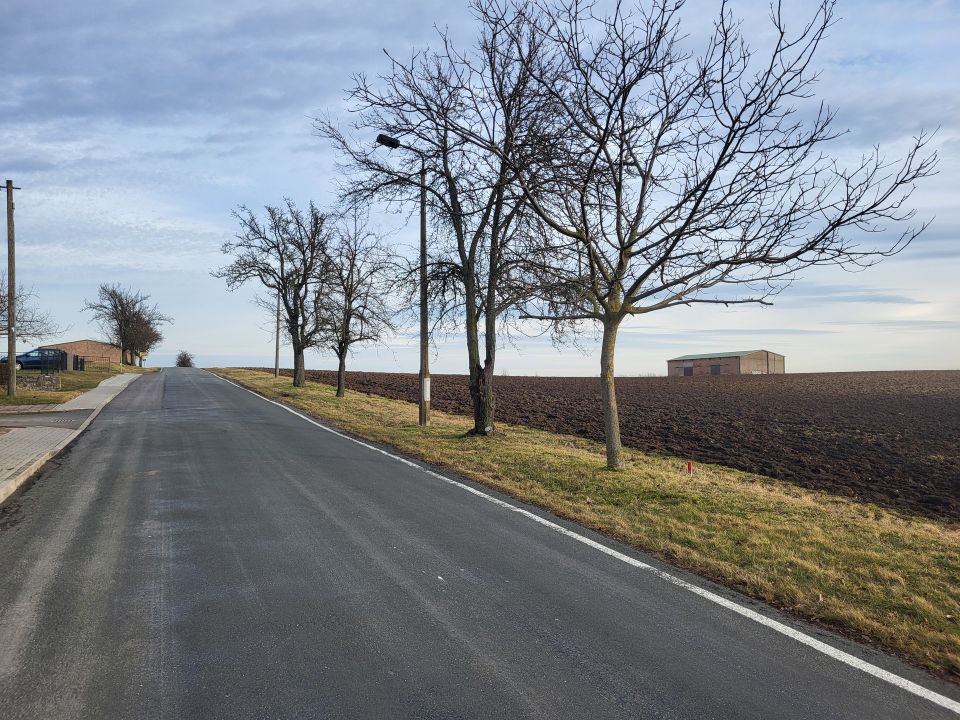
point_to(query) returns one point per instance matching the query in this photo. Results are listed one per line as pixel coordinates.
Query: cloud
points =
(809, 294)
(659, 332)
(168, 62)
(135, 127)
(918, 325)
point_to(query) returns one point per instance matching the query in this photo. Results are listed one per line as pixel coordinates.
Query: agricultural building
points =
(89, 349)
(747, 362)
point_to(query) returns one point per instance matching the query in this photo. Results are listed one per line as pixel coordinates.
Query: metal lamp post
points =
(276, 357)
(393, 144)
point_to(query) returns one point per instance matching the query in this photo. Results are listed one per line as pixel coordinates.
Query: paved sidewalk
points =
(24, 450)
(101, 394)
(68, 419)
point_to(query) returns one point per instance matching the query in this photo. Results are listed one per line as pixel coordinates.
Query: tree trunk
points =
(481, 392)
(611, 417)
(299, 376)
(342, 374)
(488, 399)
(482, 420)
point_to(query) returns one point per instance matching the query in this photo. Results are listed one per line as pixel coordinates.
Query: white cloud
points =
(135, 128)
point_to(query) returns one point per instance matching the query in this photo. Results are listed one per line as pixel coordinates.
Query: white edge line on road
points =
(819, 645)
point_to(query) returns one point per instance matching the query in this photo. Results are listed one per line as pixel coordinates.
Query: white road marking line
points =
(803, 638)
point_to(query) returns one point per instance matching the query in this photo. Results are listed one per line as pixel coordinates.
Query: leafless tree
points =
(144, 335)
(127, 319)
(360, 272)
(477, 206)
(33, 323)
(184, 359)
(669, 178)
(286, 254)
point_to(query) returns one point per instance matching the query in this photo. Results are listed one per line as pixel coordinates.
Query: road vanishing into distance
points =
(200, 552)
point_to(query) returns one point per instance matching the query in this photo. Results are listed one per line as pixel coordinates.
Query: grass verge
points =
(864, 571)
(72, 383)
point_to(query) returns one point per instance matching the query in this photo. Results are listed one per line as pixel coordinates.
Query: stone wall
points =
(34, 382)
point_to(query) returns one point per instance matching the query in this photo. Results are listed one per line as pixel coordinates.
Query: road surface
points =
(203, 553)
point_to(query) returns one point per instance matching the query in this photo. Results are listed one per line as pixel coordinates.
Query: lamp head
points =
(390, 142)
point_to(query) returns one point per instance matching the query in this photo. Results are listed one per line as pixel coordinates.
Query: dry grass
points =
(869, 573)
(72, 383)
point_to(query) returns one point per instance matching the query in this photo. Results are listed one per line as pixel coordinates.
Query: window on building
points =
(714, 369)
(687, 371)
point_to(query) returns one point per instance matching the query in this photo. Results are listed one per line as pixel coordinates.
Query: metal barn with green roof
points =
(744, 362)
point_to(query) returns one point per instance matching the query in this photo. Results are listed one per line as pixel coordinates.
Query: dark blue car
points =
(39, 359)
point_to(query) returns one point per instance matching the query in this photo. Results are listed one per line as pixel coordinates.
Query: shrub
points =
(184, 359)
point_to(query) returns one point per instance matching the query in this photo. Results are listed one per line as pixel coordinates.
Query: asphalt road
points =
(202, 553)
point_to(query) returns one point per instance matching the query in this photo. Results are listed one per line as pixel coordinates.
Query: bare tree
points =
(286, 254)
(360, 272)
(143, 335)
(476, 205)
(184, 359)
(32, 322)
(671, 179)
(127, 319)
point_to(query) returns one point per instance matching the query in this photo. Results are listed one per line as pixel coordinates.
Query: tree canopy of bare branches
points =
(127, 319)
(32, 322)
(359, 280)
(476, 205)
(285, 253)
(670, 178)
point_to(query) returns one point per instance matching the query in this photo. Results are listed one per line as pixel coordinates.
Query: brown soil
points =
(891, 438)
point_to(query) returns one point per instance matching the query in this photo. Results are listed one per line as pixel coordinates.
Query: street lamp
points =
(393, 143)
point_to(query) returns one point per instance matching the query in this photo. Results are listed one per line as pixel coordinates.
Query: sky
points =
(135, 128)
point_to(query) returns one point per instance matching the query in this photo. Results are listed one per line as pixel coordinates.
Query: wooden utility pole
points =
(11, 297)
(276, 358)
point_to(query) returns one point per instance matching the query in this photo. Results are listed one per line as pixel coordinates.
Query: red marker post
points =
(689, 468)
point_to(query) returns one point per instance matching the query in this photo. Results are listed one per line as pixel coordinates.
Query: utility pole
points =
(276, 359)
(11, 296)
(424, 340)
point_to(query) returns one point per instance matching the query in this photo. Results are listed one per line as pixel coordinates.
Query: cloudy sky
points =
(135, 127)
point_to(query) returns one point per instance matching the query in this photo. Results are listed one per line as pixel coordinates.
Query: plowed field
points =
(892, 438)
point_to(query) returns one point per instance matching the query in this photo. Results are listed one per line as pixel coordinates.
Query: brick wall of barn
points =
(728, 366)
(762, 363)
(89, 348)
(756, 363)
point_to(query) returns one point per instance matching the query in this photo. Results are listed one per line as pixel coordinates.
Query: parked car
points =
(49, 359)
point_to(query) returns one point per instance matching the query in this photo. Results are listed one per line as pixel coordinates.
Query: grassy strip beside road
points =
(851, 566)
(72, 383)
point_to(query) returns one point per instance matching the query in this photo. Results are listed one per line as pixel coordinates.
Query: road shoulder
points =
(25, 450)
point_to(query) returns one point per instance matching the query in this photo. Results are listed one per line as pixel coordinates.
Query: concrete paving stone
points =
(64, 418)
(34, 435)
(20, 447)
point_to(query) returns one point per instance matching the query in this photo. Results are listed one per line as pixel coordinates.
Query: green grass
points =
(72, 383)
(864, 571)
